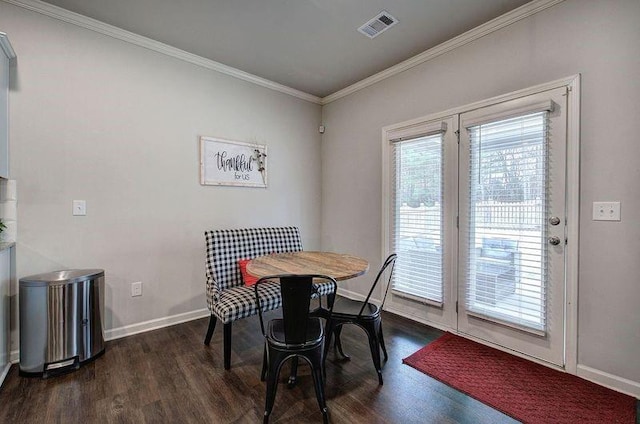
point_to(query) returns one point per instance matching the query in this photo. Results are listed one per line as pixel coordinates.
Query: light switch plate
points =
(79, 207)
(606, 211)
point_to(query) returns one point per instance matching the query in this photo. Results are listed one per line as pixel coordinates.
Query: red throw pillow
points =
(249, 280)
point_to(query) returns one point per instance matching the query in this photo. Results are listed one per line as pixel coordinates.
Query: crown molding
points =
(5, 45)
(493, 25)
(147, 43)
(73, 18)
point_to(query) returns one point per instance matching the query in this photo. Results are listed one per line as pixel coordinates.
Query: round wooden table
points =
(337, 265)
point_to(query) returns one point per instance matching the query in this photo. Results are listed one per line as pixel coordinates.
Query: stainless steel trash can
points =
(60, 321)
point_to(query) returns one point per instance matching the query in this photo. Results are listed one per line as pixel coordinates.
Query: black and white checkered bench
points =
(228, 298)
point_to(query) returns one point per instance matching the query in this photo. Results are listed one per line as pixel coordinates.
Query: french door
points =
(421, 219)
(476, 213)
(511, 285)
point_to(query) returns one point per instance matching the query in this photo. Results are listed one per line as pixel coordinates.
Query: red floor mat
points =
(522, 389)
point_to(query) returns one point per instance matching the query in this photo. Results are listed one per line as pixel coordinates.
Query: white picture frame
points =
(232, 163)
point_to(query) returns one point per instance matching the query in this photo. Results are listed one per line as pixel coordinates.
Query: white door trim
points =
(573, 221)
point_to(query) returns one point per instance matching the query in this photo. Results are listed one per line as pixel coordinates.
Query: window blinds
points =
(416, 217)
(506, 272)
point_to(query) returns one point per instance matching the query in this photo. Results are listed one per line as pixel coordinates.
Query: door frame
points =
(572, 83)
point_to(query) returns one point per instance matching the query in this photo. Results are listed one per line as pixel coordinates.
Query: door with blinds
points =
(511, 260)
(422, 176)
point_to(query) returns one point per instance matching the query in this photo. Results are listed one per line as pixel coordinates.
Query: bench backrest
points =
(226, 247)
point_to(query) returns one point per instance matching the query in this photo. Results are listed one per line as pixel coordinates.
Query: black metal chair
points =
(364, 314)
(295, 335)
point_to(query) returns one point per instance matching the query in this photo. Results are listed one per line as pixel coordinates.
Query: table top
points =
(337, 265)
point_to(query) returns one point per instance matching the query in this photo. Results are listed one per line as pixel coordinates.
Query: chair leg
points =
(212, 326)
(373, 328)
(294, 373)
(263, 373)
(338, 342)
(331, 298)
(318, 381)
(272, 382)
(227, 346)
(328, 333)
(272, 387)
(384, 348)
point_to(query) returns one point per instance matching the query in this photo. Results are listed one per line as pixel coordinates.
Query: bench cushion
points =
(240, 302)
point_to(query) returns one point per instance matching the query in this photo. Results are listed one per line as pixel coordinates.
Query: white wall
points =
(600, 40)
(117, 125)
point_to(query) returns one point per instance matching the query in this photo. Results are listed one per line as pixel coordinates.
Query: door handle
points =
(554, 240)
(554, 220)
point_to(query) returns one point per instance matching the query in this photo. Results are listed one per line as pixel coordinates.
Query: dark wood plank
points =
(169, 376)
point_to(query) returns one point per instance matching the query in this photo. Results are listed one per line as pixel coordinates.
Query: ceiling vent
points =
(378, 25)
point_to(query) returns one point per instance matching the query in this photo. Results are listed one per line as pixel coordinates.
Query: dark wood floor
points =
(169, 376)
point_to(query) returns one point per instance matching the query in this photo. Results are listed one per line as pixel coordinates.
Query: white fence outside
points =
(527, 216)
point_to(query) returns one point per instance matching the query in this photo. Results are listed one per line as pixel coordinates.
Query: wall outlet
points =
(606, 211)
(136, 289)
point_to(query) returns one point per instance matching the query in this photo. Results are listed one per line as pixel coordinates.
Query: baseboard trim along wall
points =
(4, 373)
(614, 382)
(353, 295)
(602, 378)
(357, 296)
(141, 327)
(154, 324)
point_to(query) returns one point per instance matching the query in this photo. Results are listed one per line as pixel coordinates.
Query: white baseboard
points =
(614, 382)
(602, 378)
(4, 372)
(419, 319)
(130, 330)
(357, 296)
(352, 295)
(154, 324)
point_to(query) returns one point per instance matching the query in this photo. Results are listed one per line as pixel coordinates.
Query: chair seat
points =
(315, 332)
(240, 302)
(346, 308)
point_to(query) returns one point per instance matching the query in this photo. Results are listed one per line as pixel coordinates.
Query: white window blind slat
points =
(416, 216)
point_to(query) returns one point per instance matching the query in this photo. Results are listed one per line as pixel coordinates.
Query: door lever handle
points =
(554, 220)
(554, 240)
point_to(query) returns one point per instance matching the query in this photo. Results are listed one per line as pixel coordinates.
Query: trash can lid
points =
(67, 276)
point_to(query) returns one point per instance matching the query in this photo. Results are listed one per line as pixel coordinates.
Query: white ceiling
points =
(310, 45)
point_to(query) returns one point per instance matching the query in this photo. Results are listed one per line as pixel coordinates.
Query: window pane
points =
(417, 218)
(506, 274)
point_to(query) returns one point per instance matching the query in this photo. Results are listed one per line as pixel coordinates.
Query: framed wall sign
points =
(232, 163)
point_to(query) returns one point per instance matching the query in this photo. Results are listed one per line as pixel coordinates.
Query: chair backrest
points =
(296, 291)
(226, 247)
(389, 262)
